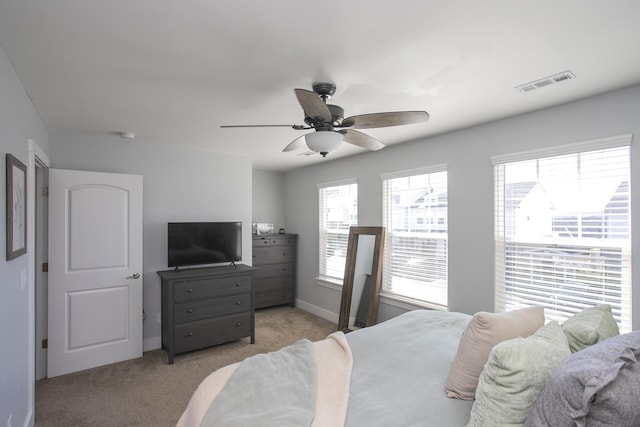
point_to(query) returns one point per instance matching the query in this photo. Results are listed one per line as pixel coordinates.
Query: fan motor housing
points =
(337, 115)
(325, 90)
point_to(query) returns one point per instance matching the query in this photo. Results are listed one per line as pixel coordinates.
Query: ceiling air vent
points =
(546, 81)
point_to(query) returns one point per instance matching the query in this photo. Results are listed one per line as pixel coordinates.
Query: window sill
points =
(389, 299)
(329, 282)
(408, 303)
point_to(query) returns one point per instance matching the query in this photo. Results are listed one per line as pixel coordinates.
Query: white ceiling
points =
(173, 71)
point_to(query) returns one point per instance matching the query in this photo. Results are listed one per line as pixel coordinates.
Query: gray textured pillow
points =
(590, 326)
(515, 373)
(597, 386)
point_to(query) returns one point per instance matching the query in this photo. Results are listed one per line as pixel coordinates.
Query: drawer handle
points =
(190, 290)
(190, 334)
(190, 310)
(238, 302)
(237, 284)
(237, 323)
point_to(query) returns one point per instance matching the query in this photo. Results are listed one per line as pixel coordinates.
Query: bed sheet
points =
(400, 368)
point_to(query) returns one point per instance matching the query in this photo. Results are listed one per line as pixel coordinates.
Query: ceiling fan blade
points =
(361, 139)
(381, 120)
(299, 142)
(296, 127)
(313, 106)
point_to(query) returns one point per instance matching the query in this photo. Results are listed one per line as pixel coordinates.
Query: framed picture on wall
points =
(16, 208)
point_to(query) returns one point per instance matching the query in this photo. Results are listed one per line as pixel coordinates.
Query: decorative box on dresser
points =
(202, 307)
(274, 258)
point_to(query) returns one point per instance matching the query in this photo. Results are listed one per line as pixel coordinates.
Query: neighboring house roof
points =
(515, 193)
(442, 199)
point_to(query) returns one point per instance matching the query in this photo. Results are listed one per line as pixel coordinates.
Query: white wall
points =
(467, 153)
(179, 185)
(18, 124)
(268, 198)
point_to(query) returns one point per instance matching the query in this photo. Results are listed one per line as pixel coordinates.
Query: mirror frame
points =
(349, 272)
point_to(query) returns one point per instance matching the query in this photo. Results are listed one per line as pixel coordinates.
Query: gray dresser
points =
(274, 258)
(202, 307)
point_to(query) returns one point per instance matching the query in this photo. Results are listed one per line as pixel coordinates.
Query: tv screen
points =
(198, 243)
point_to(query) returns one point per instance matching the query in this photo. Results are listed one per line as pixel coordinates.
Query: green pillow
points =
(590, 326)
(514, 375)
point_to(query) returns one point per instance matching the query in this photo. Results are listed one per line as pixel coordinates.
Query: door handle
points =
(135, 276)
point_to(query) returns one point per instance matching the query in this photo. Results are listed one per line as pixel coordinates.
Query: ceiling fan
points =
(331, 128)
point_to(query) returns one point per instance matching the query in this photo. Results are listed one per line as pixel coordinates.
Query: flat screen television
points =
(200, 243)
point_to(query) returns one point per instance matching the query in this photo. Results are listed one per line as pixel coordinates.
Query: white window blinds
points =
(562, 229)
(338, 203)
(416, 249)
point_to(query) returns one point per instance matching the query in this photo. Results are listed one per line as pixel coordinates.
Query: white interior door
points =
(95, 267)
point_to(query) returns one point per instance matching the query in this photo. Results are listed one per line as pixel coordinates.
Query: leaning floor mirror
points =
(362, 278)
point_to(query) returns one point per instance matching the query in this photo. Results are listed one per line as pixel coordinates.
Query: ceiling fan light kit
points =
(323, 142)
(331, 128)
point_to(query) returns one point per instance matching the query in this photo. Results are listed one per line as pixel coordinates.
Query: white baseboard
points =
(153, 343)
(320, 312)
(30, 421)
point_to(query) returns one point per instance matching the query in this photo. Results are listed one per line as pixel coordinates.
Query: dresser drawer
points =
(201, 309)
(270, 298)
(273, 241)
(274, 283)
(211, 287)
(273, 270)
(261, 241)
(204, 333)
(272, 255)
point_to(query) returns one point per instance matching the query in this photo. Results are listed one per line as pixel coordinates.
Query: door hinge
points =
(45, 343)
(45, 267)
(45, 191)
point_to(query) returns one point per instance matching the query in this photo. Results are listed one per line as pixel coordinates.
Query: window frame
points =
(388, 199)
(323, 274)
(501, 240)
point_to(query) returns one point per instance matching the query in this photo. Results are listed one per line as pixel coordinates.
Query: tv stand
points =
(202, 307)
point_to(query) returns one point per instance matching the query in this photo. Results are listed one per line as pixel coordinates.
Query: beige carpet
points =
(149, 392)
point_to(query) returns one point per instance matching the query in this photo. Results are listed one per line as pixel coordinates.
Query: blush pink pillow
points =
(484, 331)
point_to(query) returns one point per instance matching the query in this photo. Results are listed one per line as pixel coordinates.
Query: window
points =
(338, 212)
(415, 216)
(562, 229)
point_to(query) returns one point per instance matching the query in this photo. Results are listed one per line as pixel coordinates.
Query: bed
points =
(402, 372)
(401, 363)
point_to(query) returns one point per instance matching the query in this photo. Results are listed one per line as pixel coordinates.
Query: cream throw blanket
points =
(333, 367)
